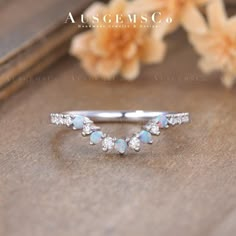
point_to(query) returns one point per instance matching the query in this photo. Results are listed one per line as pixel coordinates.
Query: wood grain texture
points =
(23, 22)
(29, 38)
(53, 183)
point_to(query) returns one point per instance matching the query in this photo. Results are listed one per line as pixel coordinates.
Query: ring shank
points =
(126, 116)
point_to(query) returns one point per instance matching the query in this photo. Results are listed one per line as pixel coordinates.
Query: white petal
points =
(231, 25)
(94, 10)
(201, 2)
(153, 51)
(98, 49)
(216, 14)
(117, 5)
(108, 68)
(129, 51)
(228, 80)
(207, 65)
(130, 69)
(141, 6)
(88, 63)
(161, 30)
(79, 43)
(201, 43)
(193, 21)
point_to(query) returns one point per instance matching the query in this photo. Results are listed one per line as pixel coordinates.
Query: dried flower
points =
(110, 49)
(218, 45)
(182, 12)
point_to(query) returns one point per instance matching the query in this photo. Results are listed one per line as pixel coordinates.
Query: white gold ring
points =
(84, 121)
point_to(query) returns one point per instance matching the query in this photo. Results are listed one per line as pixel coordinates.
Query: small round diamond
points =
(185, 118)
(107, 144)
(58, 119)
(61, 119)
(53, 118)
(134, 143)
(87, 129)
(172, 120)
(87, 120)
(67, 120)
(154, 129)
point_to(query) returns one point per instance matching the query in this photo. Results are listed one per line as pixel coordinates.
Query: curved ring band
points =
(84, 120)
(125, 116)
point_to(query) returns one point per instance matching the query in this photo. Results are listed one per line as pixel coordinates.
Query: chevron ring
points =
(154, 122)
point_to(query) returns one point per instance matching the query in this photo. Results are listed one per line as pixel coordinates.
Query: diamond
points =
(179, 120)
(87, 121)
(134, 143)
(172, 120)
(107, 144)
(185, 118)
(57, 119)
(61, 119)
(87, 129)
(53, 120)
(153, 128)
(67, 120)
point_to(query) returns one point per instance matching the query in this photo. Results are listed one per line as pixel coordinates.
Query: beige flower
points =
(218, 45)
(108, 50)
(182, 12)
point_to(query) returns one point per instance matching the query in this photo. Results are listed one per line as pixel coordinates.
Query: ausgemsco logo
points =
(119, 20)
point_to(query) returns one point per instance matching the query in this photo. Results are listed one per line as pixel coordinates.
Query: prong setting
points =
(121, 145)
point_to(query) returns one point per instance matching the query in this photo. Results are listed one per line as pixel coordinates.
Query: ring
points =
(154, 122)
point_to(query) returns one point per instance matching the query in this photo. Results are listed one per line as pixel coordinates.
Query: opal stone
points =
(121, 146)
(78, 122)
(145, 137)
(162, 121)
(96, 137)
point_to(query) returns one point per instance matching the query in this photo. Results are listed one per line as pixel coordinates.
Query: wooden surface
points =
(32, 41)
(21, 27)
(53, 183)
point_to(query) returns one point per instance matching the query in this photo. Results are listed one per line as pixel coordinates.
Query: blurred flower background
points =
(109, 49)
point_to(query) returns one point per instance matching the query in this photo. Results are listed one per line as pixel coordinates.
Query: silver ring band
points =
(126, 116)
(84, 120)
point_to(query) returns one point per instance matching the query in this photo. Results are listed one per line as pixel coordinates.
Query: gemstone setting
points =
(67, 120)
(134, 143)
(89, 128)
(153, 128)
(121, 146)
(161, 121)
(96, 137)
(107, 144)
(78, 122)
(145, 137)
